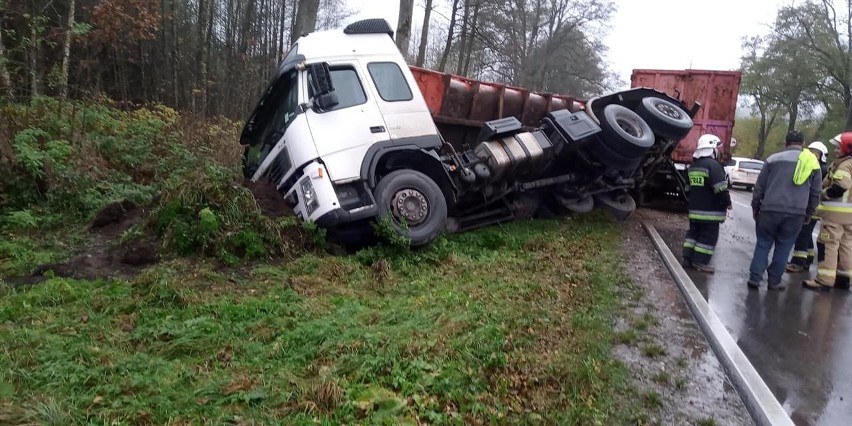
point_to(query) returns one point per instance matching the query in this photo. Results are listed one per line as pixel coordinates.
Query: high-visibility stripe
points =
(827, 272)
(834, 206)
(707, 218)
(703, 170)
(703, 250)
(844, 273)
(721, 186)
(800, 254)
(697, 173)
(811, 252)
(687, 244)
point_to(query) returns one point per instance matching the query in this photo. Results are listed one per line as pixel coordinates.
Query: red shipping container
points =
(717, 93)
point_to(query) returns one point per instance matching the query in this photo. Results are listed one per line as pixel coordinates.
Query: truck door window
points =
(347, 86)
(389, 81)
(282, 108)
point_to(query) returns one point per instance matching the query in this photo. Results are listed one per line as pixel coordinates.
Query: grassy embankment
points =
(510, 324)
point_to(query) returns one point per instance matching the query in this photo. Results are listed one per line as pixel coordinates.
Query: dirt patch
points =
(672, 366)
(104, 254)
(270, 201)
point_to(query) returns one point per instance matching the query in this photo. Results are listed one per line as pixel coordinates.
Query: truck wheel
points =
(625, 132)
(413, 198)
(619, 203)
(665, 118)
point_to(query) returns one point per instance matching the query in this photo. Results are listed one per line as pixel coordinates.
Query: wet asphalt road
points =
(799, 341)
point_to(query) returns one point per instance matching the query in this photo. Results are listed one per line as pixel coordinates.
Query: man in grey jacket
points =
(785, 196)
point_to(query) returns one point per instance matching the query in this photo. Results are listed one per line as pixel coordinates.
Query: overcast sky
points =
(662, 34)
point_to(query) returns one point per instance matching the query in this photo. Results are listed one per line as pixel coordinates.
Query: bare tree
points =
(443, 64)
(403, 26)
(5, 79)
(66, 51)
(306, 18)
(424, 34)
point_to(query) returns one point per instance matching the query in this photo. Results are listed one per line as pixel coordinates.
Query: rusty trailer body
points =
(460, 106)
(717, 93)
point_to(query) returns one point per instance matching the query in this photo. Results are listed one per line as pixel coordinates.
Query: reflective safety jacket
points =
(708, 191)
(836, 206)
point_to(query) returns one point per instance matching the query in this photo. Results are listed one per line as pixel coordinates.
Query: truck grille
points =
(278, 168)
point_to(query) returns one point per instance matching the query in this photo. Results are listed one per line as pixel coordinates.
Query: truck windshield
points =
(280, 109)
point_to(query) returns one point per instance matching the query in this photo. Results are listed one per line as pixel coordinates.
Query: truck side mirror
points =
(326, 101)
(323, 86)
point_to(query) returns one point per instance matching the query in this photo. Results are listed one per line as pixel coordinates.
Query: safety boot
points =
(707, 269)
(816, 286)
(794, 268)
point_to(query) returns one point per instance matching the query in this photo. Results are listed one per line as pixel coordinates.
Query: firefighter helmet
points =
(708, 141)
(819, 146)
(845, 143)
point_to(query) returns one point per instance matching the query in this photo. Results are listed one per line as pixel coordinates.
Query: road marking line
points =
(758, 398)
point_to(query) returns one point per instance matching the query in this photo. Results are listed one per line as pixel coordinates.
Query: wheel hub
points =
(668, 110)
(411, 205)
(631, 128)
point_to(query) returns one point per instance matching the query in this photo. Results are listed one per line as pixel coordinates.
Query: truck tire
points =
(665, 118)
(625, 131)
(412, 197)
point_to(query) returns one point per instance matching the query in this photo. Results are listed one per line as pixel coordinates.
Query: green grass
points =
(626, 337)
(652, 400)
(508, 324)
(662, 377)
(707, 422)
(680, 383)
(653, 351)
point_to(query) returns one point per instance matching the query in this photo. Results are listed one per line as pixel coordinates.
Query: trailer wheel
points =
(411, 197)
(625, 132)
(665, 118)
(619, 203)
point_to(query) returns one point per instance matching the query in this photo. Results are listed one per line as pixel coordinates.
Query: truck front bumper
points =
(320, 201)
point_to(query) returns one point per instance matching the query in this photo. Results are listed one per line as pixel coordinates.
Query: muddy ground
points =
(109, 253)
(671, 363)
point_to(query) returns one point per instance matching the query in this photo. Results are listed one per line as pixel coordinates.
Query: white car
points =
(743, 172)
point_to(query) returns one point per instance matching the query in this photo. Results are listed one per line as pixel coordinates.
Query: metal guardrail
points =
(764, 408)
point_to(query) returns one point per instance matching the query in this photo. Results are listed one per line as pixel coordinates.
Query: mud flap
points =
(618, 203)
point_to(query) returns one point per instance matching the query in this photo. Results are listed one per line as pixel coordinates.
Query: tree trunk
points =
(5, 79)
(66, 52)
(793, 112)
(34, 81)
(403, 26)
(424, 35)
(306, 18)
(174, 55)
(848, 112)
(464, 36)
(449, 45)
(472, 28)
(761, 136)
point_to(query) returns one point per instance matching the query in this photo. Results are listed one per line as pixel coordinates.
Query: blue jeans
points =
(780, 230)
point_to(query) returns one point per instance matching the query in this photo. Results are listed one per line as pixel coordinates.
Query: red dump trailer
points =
(717, 93)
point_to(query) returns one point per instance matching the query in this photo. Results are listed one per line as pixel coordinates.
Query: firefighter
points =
(803, 251)
(835, 211)
(708, 201)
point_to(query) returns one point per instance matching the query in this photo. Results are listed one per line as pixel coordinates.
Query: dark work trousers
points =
(700, 242)
(778, 230)
(803, 250)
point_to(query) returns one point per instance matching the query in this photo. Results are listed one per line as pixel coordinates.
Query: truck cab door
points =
(343, 133)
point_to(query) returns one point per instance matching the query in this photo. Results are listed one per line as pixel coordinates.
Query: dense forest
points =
(212, 57)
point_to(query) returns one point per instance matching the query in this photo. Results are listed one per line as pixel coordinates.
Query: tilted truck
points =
(717, 92)
(348, 132)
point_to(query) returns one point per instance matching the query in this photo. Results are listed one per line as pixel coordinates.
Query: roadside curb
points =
(764, 408)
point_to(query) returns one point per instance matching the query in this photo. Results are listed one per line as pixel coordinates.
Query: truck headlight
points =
(310, 196)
